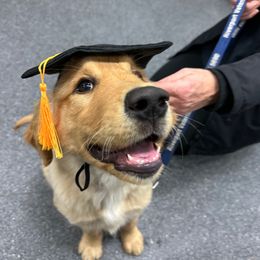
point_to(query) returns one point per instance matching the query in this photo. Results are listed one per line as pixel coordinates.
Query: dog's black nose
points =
(146, 103)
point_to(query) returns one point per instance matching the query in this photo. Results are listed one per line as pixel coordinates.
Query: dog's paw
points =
(132, 241)
(90, 248)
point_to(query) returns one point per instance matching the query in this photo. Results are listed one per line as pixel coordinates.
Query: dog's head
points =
(107, 112)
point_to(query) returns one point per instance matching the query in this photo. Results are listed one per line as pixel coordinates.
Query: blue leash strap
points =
(232, 28)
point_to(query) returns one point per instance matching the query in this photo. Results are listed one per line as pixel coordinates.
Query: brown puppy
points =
(108, 114)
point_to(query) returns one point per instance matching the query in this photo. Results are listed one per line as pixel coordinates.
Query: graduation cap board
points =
(47, 134)
(142, 54)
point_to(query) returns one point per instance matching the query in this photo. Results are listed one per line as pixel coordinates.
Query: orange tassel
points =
(47, 133)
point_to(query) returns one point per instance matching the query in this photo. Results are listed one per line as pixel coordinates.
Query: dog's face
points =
(108, 112)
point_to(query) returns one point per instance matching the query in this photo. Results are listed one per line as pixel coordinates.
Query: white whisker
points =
(190, 119)
(104, 148)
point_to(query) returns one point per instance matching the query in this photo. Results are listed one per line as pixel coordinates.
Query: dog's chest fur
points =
(107, 204)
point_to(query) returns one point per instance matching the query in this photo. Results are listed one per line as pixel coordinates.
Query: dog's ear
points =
(31, 137)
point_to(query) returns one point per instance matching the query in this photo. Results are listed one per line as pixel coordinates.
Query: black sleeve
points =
(239, 85)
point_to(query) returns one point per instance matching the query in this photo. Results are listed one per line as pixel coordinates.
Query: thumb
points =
(165, 85)
(174, 88)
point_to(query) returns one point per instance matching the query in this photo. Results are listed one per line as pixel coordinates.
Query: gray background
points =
(204, 208)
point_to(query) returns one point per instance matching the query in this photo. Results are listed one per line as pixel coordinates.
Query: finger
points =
(250, 6)
(179, 107)
(250, 15)
(247, 14)
(251, 10)
(183, 89)
(176, 104)
(167, 86)
(176, 88)
(235, 1)
(176, 76)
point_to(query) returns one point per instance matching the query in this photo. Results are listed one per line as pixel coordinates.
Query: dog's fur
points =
(114, 199)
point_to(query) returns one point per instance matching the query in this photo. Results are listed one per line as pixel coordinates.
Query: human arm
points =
(220, 86)
(229, 88)
(190, 89)
(241, 82)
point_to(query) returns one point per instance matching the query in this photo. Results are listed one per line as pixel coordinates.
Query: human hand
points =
(190, 89)
(250, 10)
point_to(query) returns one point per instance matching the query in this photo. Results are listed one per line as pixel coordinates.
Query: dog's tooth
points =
(129, 157)
(139, 161)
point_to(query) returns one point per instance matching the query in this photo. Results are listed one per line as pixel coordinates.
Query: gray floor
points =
(204, 208)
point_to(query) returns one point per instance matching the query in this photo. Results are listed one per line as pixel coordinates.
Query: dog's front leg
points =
(132, 238)
(90, 246)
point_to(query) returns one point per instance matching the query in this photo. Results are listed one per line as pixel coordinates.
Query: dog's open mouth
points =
(142, 159)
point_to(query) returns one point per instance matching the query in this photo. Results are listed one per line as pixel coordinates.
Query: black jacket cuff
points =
(224, 102)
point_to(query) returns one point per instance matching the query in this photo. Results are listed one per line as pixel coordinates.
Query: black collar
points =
(85, 167)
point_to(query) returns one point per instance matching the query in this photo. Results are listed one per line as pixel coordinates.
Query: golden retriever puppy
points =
(110, 118)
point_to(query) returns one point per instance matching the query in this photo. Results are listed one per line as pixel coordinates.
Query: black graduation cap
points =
(142, 54)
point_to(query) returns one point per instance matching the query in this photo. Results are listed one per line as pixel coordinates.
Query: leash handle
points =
(231, 30)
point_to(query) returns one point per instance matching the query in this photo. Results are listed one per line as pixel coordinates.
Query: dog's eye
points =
(138, 74)
(84, 86)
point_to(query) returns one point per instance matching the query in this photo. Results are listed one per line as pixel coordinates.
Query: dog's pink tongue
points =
(142, 151)
(140, 158)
